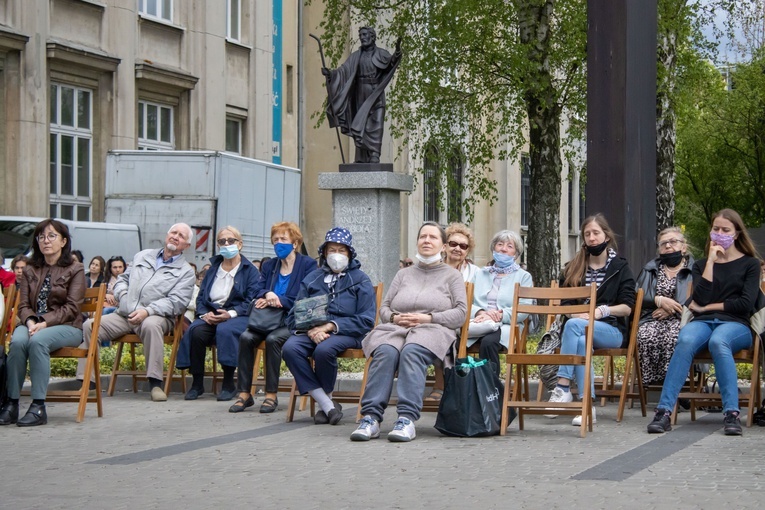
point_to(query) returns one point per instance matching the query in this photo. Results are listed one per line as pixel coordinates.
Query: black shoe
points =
(9, 413)
(335, 415)
(241, 404)
(320, 418)
(731, 424)
(226, 394)
(661, 422)
(269, 405)
(36, 415)
(193, 393)
(685, 403)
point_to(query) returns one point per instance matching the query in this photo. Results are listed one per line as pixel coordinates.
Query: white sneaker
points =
(577, 421)
(558, 395)
(368, 429)
(403, 431)
(157, 395)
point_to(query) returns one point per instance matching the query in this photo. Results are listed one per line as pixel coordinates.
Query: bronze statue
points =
(356, 92)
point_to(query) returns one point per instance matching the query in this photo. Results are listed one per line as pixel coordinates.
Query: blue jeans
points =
(722, 339)
(573, 341)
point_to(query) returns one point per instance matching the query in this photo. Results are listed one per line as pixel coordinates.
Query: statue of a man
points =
(356, 92)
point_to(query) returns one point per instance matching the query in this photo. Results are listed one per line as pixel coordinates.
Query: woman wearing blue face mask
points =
(726, 285)
(221, 314)
(493, 296)
(277, 287)
(596, 263)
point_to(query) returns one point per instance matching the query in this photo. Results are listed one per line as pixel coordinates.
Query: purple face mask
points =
(723, 240)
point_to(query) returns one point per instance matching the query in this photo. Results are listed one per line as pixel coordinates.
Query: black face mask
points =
(597, 249)
(671, 259)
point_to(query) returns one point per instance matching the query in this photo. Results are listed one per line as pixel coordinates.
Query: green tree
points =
(486, 76)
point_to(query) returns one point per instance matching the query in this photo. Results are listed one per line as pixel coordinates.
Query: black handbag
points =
(268, 319)
(472, 402)
(314, 311)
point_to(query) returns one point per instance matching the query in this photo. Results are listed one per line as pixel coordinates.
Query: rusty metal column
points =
(621, 122)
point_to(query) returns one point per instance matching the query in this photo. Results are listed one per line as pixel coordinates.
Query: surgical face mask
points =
(671, 259)
(429, 260)
(283, 250)
(337, 262)
(597, 249)
(230, 251)
(502, 259)
(723, 240)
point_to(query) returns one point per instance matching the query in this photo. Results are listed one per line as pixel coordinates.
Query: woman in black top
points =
(725, 289)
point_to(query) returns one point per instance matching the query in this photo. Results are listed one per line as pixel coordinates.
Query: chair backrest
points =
(462, 340)
(554, 302)
(94, 304)
(378, 301)
(11, 303)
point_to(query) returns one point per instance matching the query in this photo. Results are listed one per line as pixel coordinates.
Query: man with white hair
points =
(152, 291)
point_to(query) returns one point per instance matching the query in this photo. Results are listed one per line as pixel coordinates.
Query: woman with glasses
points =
(493, 296)
(726, 285)
(666, 283)
(52, 291)
(222, 303)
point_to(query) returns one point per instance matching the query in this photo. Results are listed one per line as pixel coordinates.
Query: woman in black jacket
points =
(666, 284)
(596, 263)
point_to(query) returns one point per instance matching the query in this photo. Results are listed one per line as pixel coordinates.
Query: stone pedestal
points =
(368, 204)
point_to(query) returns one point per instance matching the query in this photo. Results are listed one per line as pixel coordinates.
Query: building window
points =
(71, 144)
(525, 189)
(571, 205)
(431, 184)
(155, 126)
(159, 9)
(233, 19)
(454, 188)
(234, 135)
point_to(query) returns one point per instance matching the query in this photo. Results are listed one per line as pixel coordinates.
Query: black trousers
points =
(248, 342)
(489, 347)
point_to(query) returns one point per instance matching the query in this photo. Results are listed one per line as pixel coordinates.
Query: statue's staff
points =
(329, 98)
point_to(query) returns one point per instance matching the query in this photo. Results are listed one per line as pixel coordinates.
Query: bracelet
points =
(605, 311)
(658, 301)
(392, 316)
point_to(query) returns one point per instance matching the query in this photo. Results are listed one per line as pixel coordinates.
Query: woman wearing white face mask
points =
(351, 313)
(222, 302)
(493, 296)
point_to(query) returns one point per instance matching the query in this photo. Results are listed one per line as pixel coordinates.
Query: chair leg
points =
(291, 403)
(115, 369)
(133, 368)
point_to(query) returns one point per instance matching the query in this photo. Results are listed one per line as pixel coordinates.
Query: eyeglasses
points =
(225, 241)
(50, 237)
(671, 242)
(462, 246)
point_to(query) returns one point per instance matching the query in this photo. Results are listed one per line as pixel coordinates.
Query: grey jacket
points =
(165, 291)
(647, 281)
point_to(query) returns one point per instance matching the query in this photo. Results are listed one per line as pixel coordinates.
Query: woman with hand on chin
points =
(419, 316)
(725, 289)
(596, 263)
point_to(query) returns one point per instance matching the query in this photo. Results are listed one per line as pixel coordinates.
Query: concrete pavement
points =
(179, 454)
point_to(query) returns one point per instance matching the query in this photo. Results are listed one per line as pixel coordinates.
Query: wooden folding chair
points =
(697, 383)
(351, 397)
(174, 339)
(519, 358)
(94, 303)
(631, 367)
(461, 341)
(11, 301)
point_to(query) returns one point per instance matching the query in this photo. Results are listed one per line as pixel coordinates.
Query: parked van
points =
(91, 238)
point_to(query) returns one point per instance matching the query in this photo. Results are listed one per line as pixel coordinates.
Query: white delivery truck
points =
(206, 189)
(90, 237)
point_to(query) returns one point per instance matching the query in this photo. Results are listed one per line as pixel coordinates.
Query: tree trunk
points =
(544, 202)
(666, 126)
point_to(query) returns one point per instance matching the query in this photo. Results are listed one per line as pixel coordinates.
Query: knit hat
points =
(339, 235)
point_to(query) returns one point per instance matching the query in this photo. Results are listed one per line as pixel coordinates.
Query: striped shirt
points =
(598, 275)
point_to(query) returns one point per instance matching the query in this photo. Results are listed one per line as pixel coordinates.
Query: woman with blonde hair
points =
(459, 243)
(596, 263)
(666, 283)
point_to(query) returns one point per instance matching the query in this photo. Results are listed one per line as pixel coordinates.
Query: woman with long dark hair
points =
(52, 291)
(725, 288)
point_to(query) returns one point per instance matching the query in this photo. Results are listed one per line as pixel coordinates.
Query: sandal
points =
(269, 405)
(435, 396)
(241, 404)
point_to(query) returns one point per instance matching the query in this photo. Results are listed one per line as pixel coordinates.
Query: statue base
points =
(366, 167)
(369, 205)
